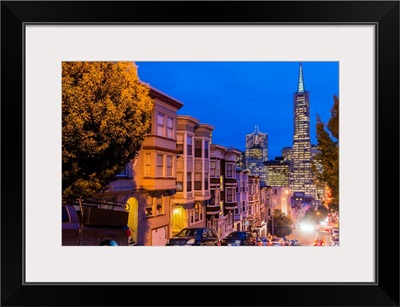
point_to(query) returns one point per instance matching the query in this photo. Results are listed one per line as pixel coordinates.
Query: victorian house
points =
(148, 184)
(192, 174)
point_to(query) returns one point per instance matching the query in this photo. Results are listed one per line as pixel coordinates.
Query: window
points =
(124, 172)
(205, 149)
(205, 181)
(197, 148)
(213, 169)
(197, 181)
(189, 145)
(65, 215)
(160, 165)
(170, 127)
(149, 206)
(230, 195)
(229, 170)
(197, 212)
(147, 168)
(179, 182)
(169, 166)
(159, 205)
(212, 198)
(189, 182)
(217, 197)
(160, 124)
(179, 143)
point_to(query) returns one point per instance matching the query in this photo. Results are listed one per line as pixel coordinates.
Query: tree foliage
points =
(105, 115)
(314, 217)
(282, 225)
(328, 156)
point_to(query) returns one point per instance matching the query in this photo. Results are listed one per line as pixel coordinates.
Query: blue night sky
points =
(234, 97)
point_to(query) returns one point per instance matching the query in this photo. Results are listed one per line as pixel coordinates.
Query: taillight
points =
(128, 231)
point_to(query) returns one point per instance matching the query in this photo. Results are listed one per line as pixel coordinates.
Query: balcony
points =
(151, 183)
(211, 210)
(238, 217)
(254, 197)
(231, 206)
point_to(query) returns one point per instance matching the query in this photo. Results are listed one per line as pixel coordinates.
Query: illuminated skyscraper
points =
(260, 139)
(257, 153)
(301, 177)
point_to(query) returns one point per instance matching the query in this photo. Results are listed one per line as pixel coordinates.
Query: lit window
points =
(149, 206)
(159, 205)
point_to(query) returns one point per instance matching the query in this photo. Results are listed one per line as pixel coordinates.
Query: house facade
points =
(148, 184)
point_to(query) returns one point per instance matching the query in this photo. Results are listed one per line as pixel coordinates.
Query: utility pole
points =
(272, 226)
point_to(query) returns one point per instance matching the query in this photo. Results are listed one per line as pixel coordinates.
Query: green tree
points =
(328, 156)
(105, 115)
(282, 225)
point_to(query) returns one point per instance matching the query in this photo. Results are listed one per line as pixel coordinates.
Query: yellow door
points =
(132, 207)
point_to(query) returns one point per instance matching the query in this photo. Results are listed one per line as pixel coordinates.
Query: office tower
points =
(257, 153)
(278, 172)
(257, 138)
(287, 153)
(301, 177)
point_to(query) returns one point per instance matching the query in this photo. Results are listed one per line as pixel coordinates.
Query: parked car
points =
(94, 226)
(258, 241)
(239, 238)
(335, 230)
(335, 242)
(277, 242)
(286, 241)
(265, 241)
(202, 236)
(295, 242)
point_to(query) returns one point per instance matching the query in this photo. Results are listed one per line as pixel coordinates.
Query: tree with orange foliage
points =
(105, 115)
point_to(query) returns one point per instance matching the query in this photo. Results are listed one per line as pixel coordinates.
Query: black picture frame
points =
(383, 14)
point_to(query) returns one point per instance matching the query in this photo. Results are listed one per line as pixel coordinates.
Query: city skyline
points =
(247, 94)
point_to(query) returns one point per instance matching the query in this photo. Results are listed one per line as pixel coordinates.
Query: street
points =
(306, 238)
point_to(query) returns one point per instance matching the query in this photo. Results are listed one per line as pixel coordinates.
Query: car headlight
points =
(190, 241)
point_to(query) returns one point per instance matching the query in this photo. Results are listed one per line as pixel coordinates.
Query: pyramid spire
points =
(256, 134)
(300, 87)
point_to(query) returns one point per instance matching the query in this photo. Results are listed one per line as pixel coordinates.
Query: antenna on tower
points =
(300, 86)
